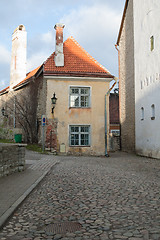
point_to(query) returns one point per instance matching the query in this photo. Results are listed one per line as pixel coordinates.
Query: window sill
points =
(79, 107)
(79, 146)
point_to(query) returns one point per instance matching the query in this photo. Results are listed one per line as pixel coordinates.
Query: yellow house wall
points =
(93, 116)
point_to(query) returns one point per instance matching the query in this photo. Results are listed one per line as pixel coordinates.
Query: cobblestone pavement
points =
(92, 198)
(41, 162)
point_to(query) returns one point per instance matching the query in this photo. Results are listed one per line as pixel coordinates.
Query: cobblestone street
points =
(92, 198)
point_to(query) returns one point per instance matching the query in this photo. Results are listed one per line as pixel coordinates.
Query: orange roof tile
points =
(29, 75)
(4, 90)
(77, 62)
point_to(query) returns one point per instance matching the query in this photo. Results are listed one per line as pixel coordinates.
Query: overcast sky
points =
(93, 23)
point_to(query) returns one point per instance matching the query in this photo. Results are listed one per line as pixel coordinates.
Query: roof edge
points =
(5, 90)
(122, 22)
(79, 74)
(26, 81)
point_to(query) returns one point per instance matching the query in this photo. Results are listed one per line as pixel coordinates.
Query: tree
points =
(22, 111)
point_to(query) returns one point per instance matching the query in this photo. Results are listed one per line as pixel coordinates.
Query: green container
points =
(18, 138)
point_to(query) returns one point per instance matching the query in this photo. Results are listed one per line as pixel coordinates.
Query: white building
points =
(144, 18)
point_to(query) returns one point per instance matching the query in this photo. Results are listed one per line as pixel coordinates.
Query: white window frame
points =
(79, 133)
(79, 95)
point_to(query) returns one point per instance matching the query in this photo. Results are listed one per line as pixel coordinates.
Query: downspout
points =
(108, 92)
(117, 48)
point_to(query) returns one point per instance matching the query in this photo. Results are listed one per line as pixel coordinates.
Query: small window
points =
(115, 132)
(79, 135)
(142, 113)
(79, 97)
(153, 112)
(152, 43)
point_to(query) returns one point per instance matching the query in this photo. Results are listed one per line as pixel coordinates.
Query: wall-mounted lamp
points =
(3, 112)
(54, 100)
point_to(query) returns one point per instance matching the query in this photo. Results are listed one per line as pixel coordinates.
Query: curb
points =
(15, 205)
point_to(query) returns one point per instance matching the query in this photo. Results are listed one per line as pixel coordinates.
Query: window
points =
(115, 132)
(79, 97)
(152, 43)
(142, 113)
(80, 135)
(153, 112)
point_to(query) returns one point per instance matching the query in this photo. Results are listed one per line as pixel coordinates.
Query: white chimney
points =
(18, 57)
(59, 56)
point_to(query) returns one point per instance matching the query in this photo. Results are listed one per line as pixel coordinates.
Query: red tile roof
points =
(29, 75)
(77, 62)
(4, 90)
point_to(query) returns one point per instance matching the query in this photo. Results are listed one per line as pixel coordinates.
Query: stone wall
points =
(12, 158)
(114, 142)
(126, 83)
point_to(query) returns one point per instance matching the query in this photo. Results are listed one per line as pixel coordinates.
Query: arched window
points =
(152, 112)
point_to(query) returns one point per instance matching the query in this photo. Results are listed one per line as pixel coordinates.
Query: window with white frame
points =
(79, 97)
(79, 135)
(153, 112)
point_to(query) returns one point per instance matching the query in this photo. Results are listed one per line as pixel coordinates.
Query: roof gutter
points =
(106, 130)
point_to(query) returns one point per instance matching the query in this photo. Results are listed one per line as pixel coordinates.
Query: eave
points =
(6, 90)
(78, 74)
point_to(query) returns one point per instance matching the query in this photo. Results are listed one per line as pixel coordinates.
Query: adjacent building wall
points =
(147, 76)
(126, 83)
(32, 99)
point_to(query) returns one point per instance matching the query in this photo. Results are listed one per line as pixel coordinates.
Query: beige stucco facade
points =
(94, 116)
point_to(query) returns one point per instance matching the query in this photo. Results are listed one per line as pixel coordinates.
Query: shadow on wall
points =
(127, 89)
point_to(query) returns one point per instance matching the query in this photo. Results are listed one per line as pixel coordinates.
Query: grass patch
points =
(35, 148)
(6, 141)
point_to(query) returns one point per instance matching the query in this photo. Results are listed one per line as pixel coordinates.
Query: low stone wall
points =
(12, 158)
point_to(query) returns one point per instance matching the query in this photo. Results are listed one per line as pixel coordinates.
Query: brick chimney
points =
(59, 56)
(18, 56)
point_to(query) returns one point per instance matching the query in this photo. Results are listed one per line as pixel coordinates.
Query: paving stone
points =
(111, 198)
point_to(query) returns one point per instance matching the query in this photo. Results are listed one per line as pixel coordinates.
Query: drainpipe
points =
(117, 48)
(106, 153)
